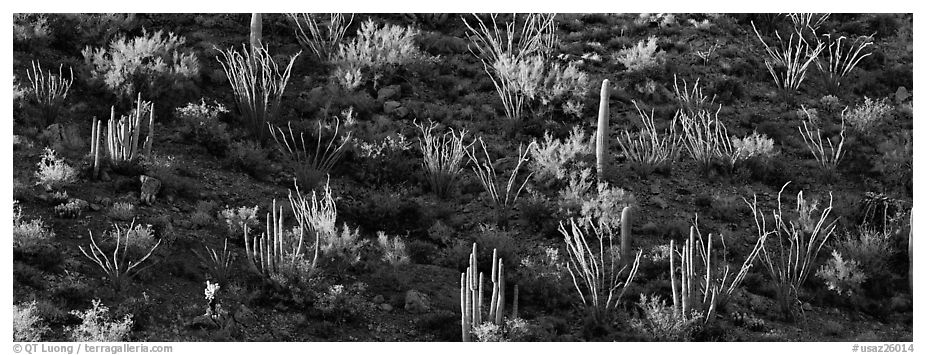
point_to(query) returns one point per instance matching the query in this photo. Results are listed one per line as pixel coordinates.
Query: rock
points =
(416, 302)
(901, 95)
(301, 320)
(149, 188)
(105, 177)
(390, 107)
(401, 112)
(659, 201)
(388, 93)
(203, 322)
(379, 299)
(95, 207)
(386, 307)
(807, 307)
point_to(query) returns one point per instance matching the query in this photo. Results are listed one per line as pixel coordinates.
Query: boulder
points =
(416, 302)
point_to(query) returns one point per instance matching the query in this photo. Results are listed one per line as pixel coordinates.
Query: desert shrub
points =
(139, 238)
(513, 329)
(593, 201)
(342, 250)
(53, 172)
(239, 220)
(27, 325)
(868, 249)
(387, 160)
(642, 56)
(754, 146)
(896, 161)
(868, 115)
(342, 304)
(153, 65)
(442, 158)
(27, 235)
(842, 275)
(748, 321)
(392, 249)
(251, 158)
(488, 237)
(829, 103)
(31, 28)
(97, 325)
(662, 323)
(122, 211)
(203, 214)
(518, 62)
(556, 158)
(374, 52)
(544, 280)
(543, 83)
(200, 123)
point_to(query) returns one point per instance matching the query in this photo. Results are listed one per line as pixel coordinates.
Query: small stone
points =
(379, 299)
(807, 307)
(416, 302)
(401, 112)
(105, 177)
(95, 207)
(386, 307)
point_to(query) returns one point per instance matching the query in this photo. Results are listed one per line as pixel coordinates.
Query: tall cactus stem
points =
(601, 140)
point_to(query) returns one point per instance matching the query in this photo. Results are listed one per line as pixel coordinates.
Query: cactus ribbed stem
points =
(601, 140)
(471, 295)
(626, 236)
(256, 31)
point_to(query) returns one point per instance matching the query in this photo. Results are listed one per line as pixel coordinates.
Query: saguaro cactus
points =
(626, 236)
(471, 295)
(601, 141)
(256, 31)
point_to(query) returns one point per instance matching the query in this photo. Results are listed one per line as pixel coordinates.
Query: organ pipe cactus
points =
(601, 141)
(122, 136)
(471, 295)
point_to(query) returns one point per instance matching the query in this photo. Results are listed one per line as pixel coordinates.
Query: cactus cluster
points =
(122, 136)
(471, 295)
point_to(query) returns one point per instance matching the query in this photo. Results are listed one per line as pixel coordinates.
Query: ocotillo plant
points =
(122, 136)
(471, 295)
(49, 91)
(601, 140)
